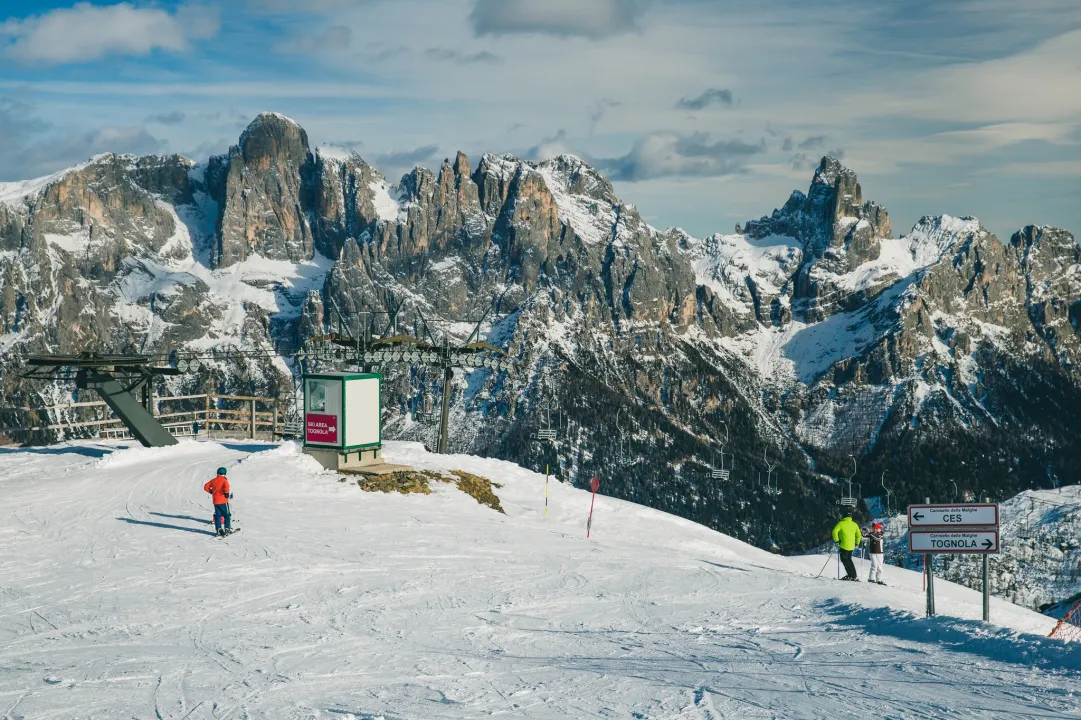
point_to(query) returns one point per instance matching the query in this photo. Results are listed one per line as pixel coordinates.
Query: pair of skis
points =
(875, 582)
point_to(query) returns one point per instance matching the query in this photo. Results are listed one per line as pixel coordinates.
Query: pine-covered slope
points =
(811, 335)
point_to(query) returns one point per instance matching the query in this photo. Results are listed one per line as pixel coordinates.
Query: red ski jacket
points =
(219, 487)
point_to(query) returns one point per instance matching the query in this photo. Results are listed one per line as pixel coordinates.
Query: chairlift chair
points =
(721, 473)
(622, 436)
(546, 433)
(771, 489)
(850, 500)
(889, 494)
(427, 412)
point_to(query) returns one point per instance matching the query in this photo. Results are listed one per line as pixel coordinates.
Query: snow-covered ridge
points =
(724, 263)
(15, 193)
(337, 153)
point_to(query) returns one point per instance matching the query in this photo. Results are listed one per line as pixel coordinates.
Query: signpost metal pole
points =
(928, 576)
(986, 582)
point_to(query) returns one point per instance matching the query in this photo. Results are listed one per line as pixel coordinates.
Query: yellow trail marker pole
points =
(546, 490)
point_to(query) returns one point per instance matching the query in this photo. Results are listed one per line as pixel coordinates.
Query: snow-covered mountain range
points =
(811, 334)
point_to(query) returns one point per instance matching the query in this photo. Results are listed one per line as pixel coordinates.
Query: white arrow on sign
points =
(969, 515)
(953, 541)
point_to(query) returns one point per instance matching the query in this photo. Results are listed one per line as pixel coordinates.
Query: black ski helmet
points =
(221, 471)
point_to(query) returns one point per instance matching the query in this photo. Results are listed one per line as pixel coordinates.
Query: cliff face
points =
(811, 335)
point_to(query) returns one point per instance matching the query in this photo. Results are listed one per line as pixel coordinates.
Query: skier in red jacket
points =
(221, 495)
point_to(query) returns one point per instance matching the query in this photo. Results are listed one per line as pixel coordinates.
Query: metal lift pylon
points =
(115, 378)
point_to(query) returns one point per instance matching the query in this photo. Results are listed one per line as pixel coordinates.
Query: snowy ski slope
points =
(116, 602)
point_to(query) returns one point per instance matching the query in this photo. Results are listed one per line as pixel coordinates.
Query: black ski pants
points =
(846, 560)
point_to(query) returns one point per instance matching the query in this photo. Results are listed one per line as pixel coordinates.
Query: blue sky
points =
(704, 112)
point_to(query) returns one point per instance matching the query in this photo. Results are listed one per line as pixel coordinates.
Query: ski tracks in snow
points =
(116, 601)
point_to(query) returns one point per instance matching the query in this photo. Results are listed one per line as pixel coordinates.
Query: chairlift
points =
(848, 498)
(889, 494)
(1025, 531)
(622, 436)
(547, 433)
(427, 412)
(721, 473)
(771, 489)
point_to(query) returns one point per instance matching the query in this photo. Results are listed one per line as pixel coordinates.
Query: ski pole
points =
(546, 490)
(828, 556)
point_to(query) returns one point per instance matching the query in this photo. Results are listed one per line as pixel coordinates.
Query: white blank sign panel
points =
(362, 412)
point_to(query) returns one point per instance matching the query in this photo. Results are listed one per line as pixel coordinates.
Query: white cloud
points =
(663, 154)
(583, 18)
(33, 147)
(89, 32)
(1038, 85)
(292, 7)
(551, 147)
(336, 37)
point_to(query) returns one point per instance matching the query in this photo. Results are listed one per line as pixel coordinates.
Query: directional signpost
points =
(965, 528)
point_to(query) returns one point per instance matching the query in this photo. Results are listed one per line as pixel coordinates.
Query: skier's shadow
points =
(184, 517)
(133, 521)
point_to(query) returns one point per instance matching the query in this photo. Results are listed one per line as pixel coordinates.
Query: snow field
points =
(116, 601)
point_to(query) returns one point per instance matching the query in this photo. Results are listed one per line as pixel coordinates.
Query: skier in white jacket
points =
(875, 546)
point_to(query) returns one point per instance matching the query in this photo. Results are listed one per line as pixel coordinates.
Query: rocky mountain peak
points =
(258, 191)
(828, 215)
(270, 137)
(579, 178)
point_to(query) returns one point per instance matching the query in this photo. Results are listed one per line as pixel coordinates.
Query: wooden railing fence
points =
(248, 415)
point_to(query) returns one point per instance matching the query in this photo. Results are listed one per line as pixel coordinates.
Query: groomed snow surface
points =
(117, 602)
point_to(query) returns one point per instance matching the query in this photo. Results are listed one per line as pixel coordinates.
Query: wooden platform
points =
(380, 469)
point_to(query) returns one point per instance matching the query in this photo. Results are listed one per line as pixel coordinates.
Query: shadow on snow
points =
(133, 521)
(92, 452)
(965, 636)
(184, 517)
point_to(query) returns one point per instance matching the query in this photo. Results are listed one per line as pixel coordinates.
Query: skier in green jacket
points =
(847, 535)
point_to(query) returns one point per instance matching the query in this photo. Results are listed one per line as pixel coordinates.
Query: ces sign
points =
(968, 515)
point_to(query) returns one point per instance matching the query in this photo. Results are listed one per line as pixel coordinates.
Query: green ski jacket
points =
(847, 534)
